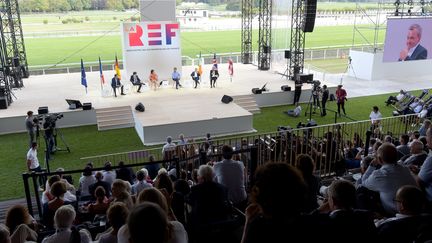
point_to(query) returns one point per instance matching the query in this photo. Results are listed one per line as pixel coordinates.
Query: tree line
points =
(75, 5)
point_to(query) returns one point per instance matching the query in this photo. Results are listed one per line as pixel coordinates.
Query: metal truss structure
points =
(246, 31)
(264, 34)
(297, 44)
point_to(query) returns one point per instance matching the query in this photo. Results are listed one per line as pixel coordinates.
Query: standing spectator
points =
(33, 162)
(168, 147)
(108, 174)
(30, 127)
(141, 182)
(231, 174)
(341, 98)
(325, 96)
(65, 232)
(375, 117)
(387, 179)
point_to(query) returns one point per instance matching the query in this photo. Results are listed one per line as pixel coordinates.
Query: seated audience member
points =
(120, 193)
(387, 179)
(208, 199)
(364, 165)
(417, 157)
(164, 183)
(296, 112)
(99, 182)
(408, 222)
(141, 182)
(125, 173)
(102, 203)
(21, 224)
(4, 234)
(47, 196)
(181, 191)
(231, 174)
(153, 195)
(424, 178)
(306, 166)
(403, 149)
(58, 189)
(117, 215)
(67, 179)
(65, 232)
(350, 153)
(343, 222)
(425, 126)
(85, 181)
(108, 174)
(152, 169)
(277, 199)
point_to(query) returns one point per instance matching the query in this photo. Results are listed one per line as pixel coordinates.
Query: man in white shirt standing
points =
(33, 162)
(375, 116)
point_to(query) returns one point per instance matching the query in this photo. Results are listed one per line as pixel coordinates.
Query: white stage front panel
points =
(151, 45)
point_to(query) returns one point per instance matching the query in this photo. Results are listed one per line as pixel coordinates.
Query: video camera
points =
(47, 120)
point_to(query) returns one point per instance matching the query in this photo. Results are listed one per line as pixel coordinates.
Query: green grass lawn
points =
(192, 44)
(330, 65)
(87, 141)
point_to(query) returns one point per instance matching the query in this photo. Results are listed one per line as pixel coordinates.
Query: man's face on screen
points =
(412, 38)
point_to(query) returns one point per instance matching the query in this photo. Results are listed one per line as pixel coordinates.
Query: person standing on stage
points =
(115, 83)
(176, 78)
(153, 78)
(297, 91)
(195, 77)
(325, 96)
(341, 98)
(214, 75)
(136, 81)
(30, 127)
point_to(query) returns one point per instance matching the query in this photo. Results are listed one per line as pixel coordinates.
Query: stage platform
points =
(193, 112)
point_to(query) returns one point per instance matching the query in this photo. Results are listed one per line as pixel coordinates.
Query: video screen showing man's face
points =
(413, 38)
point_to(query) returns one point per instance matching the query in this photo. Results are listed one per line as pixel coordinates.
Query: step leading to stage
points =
(114, 118)
(248, 103)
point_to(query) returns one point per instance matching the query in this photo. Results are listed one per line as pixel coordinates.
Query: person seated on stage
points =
(296, 112)
(176, 78)
(153, 78)
(136, 81)
(392, 99)
(115, 83)
(196, 77)
(214, 75)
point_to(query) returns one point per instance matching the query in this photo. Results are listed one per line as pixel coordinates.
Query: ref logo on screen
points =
(151, 34)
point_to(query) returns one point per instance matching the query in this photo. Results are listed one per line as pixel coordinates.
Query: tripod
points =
(314, 101)
(348, 67)
(56, 133)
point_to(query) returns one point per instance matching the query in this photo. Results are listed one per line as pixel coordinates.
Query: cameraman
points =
(49, 126)
(297, 91)
(31, 127)
(316, 91)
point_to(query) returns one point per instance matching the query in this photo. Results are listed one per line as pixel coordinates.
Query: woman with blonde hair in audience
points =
(65, 231)
(20, 224)
(176, 233)
(120, 192)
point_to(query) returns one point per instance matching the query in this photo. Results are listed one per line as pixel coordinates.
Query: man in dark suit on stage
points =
(297, 91)
(195, 77)
(413, 51)
(136, 81)
(214, 75)
(115, 83)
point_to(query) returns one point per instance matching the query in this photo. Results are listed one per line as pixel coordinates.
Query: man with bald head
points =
(387, 179)
(413, 50)
(417, 156)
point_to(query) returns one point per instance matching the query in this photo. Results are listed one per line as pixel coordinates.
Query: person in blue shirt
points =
(176, 77)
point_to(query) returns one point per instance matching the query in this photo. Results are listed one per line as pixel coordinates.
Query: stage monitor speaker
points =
(304, 77)
(16, 61)
(256, 91)
(74, 104)
(309, 15)
(43, 110)
(140, 107)
(2, 91)
(87, 106)
(285, 88)
(287, 54)
(3, 103)
(226, 99)
(266, 49)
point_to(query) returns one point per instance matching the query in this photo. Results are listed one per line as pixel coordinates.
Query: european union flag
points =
(83, 75)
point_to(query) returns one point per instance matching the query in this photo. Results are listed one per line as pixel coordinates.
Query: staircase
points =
(114, 118)
(248, 103)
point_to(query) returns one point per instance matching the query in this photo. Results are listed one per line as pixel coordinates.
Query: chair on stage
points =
(106, 91)
(164, 84)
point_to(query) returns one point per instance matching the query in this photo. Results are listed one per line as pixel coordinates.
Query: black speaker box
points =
(16, 61)
(2, 91)
(226, 99)
(266, 49)
(43, 110)
(140, 107)
(285, 88)
(304, 77)
(287, 54)
(87, 106)
(3, 103)
(256, 91)
(309, 15)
